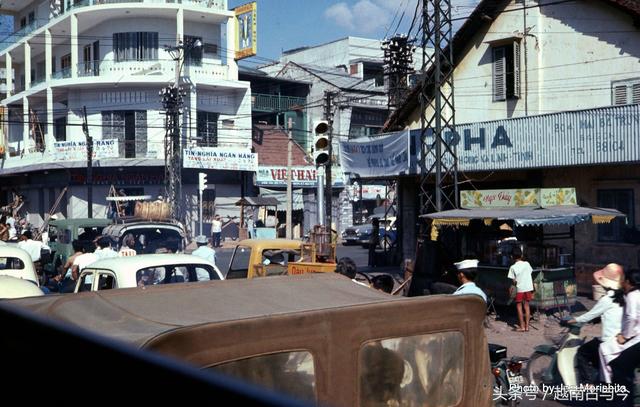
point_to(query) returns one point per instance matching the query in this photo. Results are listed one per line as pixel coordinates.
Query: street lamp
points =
(172, 102)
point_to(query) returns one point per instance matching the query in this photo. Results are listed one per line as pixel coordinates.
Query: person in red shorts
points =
(520, 273)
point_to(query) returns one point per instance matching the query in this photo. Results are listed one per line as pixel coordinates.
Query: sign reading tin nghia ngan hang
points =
(518, 198)
(376, 156)
(77, 150)
(215, 158)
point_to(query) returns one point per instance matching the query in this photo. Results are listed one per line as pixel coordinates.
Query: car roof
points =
(120, 228)
(271, 243)
(13, 251)
(13, 287)
(86, 222)
(147, 260)
(144, 314)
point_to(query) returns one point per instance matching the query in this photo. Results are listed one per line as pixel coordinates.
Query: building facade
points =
(546, 95)
(107, 58)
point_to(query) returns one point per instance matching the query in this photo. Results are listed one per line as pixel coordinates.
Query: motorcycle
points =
(555, 365)
(507, 373)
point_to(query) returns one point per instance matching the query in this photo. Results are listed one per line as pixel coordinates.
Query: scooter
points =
(555, 365)
(507, 373)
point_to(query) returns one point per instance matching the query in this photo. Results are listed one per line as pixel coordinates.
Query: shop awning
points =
(555, 215)
(129, 198)
(281, 196)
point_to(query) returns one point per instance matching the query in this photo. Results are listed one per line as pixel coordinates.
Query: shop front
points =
(539, 222)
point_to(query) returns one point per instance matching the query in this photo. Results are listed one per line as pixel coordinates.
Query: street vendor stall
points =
(262, 228)
(496, 221)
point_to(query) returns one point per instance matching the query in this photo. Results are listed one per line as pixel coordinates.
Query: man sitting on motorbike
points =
(609, 308)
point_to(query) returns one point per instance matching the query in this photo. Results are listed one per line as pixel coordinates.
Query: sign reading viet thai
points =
(376, 156)
(246, 30)
(518, 198)
(77, 150)
(301, 176)
(214, 158)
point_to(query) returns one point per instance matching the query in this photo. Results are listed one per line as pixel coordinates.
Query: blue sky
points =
(288, 24)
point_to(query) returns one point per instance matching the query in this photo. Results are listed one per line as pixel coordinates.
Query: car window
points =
(86, 280)
(154, 240)
(239, 266)
(292, 373)
(11, 263)
(106, 281)
(275, 261)
(416, 370)
(170, 274)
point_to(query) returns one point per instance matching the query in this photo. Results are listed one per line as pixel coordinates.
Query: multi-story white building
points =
(108, 57)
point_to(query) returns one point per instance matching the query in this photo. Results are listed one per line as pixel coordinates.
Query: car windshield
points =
(154, 240)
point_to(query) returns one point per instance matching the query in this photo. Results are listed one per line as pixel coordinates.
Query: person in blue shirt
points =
(203, 250)
(467, 270)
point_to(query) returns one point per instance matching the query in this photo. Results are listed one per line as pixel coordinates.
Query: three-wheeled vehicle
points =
(317, 337)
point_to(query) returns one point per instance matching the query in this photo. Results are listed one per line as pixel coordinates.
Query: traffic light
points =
(321, 142)
(202, 181)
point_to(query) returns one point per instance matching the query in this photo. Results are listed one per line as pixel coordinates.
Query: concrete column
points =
(232, 70)
(74, 46)
(48, 52)
(180, 26)
(25, 123)
(9, 73)
(50, 137)
(27, 65)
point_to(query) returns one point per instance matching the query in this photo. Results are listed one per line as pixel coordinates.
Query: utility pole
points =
(438, 160)
(89, 146)
(289, 233)
(398, 62)
(328, 116)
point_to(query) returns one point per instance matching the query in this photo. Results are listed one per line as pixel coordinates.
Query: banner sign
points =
(246, 30)
(518, 198)
(376, 156)
(302, 176)
(77, 150)
(215, 158)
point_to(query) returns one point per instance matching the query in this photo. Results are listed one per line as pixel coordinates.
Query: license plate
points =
(515, 379)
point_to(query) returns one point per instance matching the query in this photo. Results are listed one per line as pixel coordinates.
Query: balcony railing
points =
(153, 67)
(275, 103)
(214, 4)
(61, 74)
(16, 36)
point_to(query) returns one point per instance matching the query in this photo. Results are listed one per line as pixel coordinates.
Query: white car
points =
(146, 270)
(13, 287)
(17, 263)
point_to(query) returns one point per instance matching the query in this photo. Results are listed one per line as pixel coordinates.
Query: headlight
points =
(357, 231)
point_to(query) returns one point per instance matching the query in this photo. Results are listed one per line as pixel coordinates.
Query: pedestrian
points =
(203, 250)
(467, 271)
(374, 241)
(612, 349)
(609, 310)
(4, 228)
(520, 273)
(216, 230)
(251, 227)
(64, 280)
(86, 258)
(104, 250)
(33, 247)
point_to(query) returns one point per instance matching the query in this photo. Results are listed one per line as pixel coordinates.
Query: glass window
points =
(86, 281)
(129, 127)
(11, 263)
(207, 127)
(171, 274)
(417, 370)
(60, 128)
(193, 55)
(239, 266)
(275, 261)
(135, 46)
(619, 230)
(106, 282)
(292, 373)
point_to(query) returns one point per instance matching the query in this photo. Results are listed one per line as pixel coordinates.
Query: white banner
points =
(215, 158)
(376, 156)
(77, 150)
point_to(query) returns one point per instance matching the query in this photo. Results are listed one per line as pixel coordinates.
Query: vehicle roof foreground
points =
(13, 287)
(208, 323)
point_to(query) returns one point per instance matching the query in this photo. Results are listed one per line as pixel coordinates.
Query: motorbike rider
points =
(609, 308)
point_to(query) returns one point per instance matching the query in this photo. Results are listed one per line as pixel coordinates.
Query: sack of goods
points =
(152, 210)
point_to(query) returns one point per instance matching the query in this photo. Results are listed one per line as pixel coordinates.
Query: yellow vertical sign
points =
(246, 30)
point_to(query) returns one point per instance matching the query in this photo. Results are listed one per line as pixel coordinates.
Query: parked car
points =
(13, 287)
(316, 337)
(145, 270)
(17, 263)
(361, 234)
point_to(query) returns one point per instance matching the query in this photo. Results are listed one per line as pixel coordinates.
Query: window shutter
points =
(516, 69)
(635, 93)
(620, 95)
(499, 74)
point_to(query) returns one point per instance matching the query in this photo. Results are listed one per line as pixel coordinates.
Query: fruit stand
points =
(493, 222)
